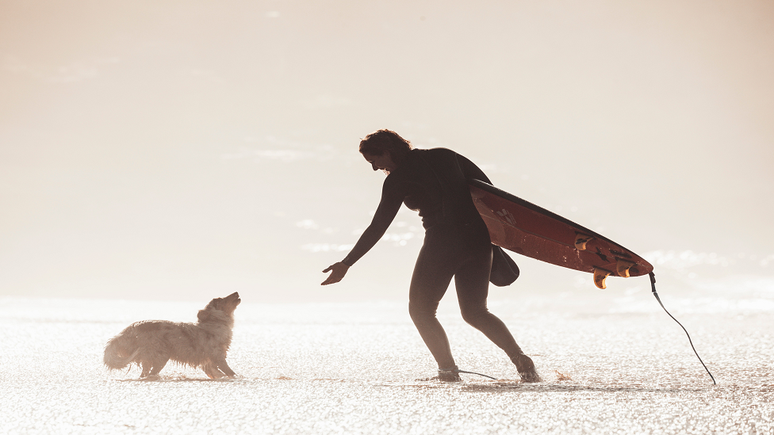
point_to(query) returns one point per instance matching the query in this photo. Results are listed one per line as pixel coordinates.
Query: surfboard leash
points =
(653, 286)
(474, 373)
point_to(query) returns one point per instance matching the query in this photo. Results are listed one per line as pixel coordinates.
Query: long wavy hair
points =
(386, 141)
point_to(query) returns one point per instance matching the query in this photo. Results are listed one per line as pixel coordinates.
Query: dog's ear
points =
(203, 315)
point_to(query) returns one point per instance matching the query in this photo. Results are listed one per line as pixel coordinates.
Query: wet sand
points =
(609, 366)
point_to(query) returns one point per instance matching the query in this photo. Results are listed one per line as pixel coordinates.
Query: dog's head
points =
(225, 305)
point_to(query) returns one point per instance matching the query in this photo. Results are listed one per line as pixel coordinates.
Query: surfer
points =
(434, 182)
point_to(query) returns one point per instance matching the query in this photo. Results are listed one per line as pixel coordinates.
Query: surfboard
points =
(527, 229)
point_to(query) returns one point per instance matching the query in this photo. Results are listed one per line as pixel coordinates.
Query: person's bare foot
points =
(526, 369)
(449, 375)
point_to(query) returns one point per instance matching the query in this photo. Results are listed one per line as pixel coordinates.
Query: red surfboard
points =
(524, 228)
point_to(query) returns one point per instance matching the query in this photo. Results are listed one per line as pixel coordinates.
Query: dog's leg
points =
(157, 366)
(146, 368)
(225, 368)
(212, 371)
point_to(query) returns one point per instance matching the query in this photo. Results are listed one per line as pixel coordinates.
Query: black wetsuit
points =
(434, 182)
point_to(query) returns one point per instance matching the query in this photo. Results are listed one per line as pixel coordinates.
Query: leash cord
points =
(653, 286)
(474, 373)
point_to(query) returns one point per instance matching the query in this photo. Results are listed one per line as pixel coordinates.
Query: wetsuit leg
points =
(472, 282)
(432, 275)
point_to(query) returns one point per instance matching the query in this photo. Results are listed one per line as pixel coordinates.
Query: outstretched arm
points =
(392, 198)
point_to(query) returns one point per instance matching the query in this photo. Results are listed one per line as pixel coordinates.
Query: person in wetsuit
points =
(434, 182)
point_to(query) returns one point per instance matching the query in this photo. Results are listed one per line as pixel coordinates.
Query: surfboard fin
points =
(622, 267)
(581, 240)
(599, 277)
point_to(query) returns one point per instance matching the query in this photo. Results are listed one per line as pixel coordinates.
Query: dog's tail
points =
(120, 351)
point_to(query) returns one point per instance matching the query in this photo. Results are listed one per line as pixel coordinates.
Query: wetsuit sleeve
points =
(393, 194)
(471, 171)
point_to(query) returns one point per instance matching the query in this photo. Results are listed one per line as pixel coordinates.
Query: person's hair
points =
(385, 141)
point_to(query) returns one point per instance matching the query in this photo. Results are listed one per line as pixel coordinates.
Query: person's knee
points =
(422, 312)
(475, 316)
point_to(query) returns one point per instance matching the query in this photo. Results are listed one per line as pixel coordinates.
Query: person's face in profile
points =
(383, 161)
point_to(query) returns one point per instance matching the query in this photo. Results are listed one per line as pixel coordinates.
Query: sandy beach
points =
(610, 365)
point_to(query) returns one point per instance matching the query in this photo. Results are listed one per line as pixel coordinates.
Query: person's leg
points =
(431, 278)
(472, 282)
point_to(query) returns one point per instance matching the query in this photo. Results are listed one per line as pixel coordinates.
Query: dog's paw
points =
(151, 378)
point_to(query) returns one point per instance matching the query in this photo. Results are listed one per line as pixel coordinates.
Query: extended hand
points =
(338, 270)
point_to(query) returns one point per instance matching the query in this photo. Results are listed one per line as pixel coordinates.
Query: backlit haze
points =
(186, 150)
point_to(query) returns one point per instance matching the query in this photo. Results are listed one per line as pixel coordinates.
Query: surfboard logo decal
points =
(505, 214)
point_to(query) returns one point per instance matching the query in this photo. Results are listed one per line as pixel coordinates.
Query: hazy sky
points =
(188, 149)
